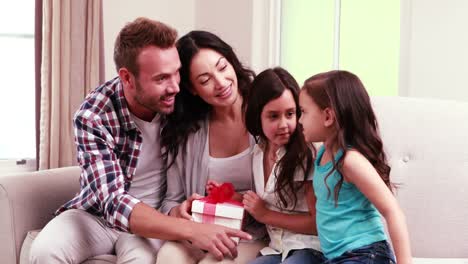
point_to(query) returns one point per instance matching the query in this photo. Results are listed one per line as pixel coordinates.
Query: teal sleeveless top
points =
(353, 223)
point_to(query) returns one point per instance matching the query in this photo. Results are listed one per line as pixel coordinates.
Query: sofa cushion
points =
(427, 146)
(31, 235)
(28, 201)
(26, 247)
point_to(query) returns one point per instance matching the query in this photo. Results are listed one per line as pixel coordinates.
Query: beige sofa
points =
(427, 144)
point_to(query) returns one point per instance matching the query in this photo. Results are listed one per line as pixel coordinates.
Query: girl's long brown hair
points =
(267, 86)
(355, 121)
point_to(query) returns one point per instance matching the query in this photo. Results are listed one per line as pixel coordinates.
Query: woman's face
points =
(213, 78)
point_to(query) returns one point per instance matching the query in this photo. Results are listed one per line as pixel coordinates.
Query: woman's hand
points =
(184, 210)
(254, 205)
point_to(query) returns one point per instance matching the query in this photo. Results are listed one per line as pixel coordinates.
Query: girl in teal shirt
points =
(351, 177)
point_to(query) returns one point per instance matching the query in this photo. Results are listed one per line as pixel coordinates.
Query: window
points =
(367, 40)
(17, 103)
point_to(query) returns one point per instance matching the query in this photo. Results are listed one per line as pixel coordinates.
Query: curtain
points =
(72, 65)
(37, 73)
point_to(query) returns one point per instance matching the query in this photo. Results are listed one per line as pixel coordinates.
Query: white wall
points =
(116, 13)
(246, 25)
(434, 49)
(230, 20)
(433, 60)
(243, 24)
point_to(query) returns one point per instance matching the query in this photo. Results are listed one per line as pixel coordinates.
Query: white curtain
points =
(72, 65)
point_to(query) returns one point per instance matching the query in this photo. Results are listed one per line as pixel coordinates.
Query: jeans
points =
(375, 253)
(300, 256)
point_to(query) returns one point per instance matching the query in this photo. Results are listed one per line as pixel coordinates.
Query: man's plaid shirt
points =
(108, 144)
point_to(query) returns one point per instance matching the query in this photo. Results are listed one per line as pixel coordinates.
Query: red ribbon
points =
(209, 211)
(221, 194)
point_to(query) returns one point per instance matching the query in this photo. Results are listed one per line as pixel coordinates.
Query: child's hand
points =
(254, 205)
(210, 185)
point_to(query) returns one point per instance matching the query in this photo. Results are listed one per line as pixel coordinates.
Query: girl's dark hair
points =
(269, 85)
(356, 123)
(189, 109)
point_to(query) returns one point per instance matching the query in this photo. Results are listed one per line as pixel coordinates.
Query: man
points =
(123, 177)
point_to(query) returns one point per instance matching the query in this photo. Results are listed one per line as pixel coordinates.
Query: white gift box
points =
(225, 214)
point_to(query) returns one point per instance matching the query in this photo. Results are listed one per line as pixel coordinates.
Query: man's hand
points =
(145, 221)
(216, 239)
(254, 205)
(184, 210)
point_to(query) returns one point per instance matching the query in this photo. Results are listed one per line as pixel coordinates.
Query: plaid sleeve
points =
(102, 175)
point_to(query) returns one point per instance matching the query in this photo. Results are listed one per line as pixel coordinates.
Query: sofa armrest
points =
(28, 201)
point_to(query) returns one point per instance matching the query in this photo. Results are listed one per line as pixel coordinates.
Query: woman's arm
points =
(359, 171)
(175, 203)
(300, 223)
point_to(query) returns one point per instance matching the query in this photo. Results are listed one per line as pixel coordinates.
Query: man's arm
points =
(102, 174)
(148, 222)
(105, 179)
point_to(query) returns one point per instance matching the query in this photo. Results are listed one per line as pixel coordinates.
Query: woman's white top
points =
(236, 169)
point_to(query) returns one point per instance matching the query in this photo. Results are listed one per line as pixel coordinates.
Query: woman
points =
(205, 138)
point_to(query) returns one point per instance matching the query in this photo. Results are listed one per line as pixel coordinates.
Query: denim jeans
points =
(299, 256)
(375, 253)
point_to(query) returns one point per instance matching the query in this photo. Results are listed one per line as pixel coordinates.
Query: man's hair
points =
(135, 36)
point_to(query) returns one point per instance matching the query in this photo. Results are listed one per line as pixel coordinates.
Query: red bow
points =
(221, 194)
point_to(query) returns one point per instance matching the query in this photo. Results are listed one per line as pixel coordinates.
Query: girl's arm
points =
(299, 223)
(359, 171)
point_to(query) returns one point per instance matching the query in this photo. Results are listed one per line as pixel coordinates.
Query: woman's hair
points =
(298, 158)
(189, 109)
(355, 121)
(135, 36)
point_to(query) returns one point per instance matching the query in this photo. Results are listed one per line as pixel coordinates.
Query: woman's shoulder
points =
(201, 131)
(196, 141)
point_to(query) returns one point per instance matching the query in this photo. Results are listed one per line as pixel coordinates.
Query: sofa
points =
(427, 145)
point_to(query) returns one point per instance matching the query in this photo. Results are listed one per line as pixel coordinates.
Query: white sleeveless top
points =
(236, 169)
(148, 183)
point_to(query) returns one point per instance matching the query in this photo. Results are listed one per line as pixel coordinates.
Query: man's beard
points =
(152, 104)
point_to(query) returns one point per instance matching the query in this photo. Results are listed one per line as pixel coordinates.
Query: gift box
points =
(213, 210)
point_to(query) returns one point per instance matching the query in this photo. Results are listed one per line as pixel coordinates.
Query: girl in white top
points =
(282, 165)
